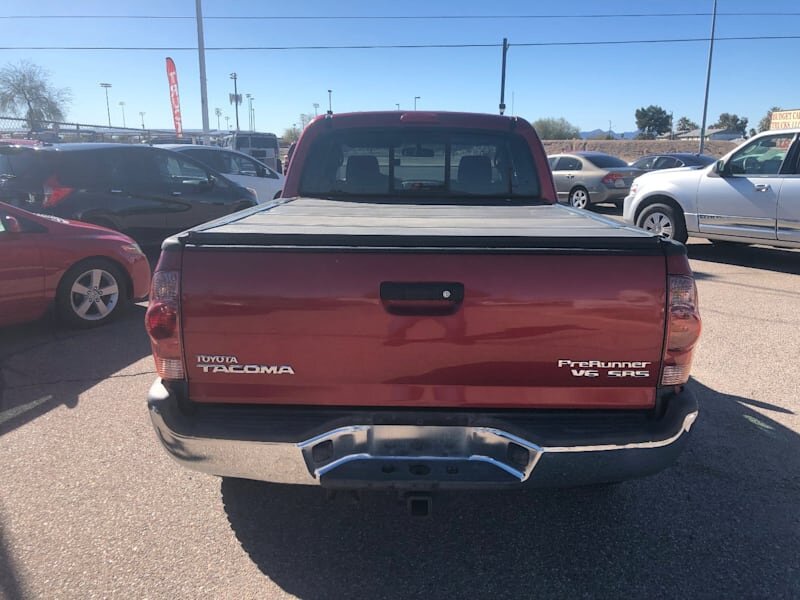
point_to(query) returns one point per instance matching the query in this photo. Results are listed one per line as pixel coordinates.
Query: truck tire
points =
(92, 292)
(664, 220)
(579, 198)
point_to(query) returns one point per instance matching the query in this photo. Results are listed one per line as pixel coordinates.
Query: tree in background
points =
(305, 119)
(686, 124)
(763, 124)
(731, 122)
(290, 134)
(26, 91)
(652, 121)
(556, 129)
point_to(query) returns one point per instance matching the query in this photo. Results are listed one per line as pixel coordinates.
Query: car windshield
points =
(437, 164)
(604, 161)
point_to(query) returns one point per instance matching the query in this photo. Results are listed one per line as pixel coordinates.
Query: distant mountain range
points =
(596, 133)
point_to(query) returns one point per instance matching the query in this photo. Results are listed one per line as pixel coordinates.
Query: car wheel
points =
(579, 198)
(91, 293)
(663, 220)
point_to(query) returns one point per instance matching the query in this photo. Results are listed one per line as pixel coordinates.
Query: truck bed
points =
(319, 222)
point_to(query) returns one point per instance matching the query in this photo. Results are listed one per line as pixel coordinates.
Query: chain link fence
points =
(57, 132)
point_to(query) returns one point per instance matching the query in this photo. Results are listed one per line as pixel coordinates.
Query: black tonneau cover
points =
(298, 223)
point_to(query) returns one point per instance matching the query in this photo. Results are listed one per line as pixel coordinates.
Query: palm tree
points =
(25, 90)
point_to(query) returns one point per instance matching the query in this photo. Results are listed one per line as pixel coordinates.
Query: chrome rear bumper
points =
(419, 450)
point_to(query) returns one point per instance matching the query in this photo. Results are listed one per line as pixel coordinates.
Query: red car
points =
(91, 273)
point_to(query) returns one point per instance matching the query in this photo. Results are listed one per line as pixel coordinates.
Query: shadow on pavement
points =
(607, 209)
(756, 257)
(10, 587)
(723, 522)
(43, 365)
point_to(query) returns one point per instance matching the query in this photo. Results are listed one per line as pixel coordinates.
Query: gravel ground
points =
(92, 507)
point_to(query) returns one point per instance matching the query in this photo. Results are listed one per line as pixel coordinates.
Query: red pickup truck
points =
(418, 312)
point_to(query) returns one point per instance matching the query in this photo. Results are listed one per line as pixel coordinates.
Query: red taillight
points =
(683, 330)
(162, 322)
(611, 178)
(54, 192)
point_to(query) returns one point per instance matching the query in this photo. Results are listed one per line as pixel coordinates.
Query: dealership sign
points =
(785, 119)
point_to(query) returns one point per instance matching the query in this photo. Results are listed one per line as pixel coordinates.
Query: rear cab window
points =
(438, 165)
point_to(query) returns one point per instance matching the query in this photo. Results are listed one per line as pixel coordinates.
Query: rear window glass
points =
(604, 161)
(420, 164)
(19, 163)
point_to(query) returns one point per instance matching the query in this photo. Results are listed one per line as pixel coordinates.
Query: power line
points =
(405, 46)
(405, 17)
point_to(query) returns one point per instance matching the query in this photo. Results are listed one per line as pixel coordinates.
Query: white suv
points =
(751, 196)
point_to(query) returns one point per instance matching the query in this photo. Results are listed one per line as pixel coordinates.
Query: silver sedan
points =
(584, 178)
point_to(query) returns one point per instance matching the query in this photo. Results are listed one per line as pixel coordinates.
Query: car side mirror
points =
(721, 168)
(11, 225)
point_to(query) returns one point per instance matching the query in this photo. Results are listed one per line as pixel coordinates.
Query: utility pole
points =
(105, 86)
(316, 108)
(218, 112)
(141, 114)
(503, 78)
(415, 101)
(397, 104)
(201, 55)
(330, 102)
(708, 78)
(227, 123)
(122, 106)
(253, 113)
(235, 98)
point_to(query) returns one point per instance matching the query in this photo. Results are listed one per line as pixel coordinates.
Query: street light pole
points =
(201, 55)
(316, 108)
(397, 104)
(249, 111)
(122, 106)
(227, 123)
(105, 86)
(415, 101)
(236, 99)
(503, 78)
(141, 114)
(218, 112)
(708, 78)
(253, 114)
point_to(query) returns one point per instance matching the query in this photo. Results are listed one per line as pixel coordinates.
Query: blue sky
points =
(588, 85)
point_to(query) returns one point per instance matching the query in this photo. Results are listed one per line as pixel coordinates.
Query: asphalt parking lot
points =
(91, 506)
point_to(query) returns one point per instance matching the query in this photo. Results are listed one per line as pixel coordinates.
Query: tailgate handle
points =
(421, 298)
